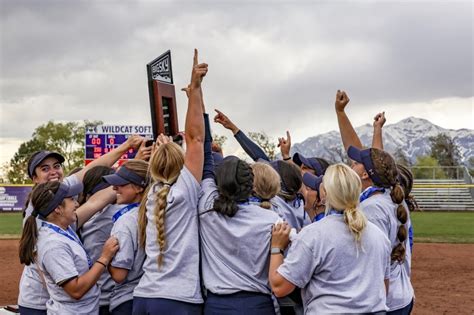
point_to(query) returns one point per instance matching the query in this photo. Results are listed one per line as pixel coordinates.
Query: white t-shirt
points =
(334, 274)
(178, 277)
(235, 250)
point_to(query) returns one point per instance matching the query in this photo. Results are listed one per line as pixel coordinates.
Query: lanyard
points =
(318, 217)
(69, 233)
(369, 191)
(124, 210)
(335, 212)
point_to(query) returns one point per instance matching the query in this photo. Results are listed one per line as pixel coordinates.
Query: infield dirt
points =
(442, 274)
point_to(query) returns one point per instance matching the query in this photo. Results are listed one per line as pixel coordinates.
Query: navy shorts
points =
(125, 308)
(248, 303)
(30, 311)
(157, 306)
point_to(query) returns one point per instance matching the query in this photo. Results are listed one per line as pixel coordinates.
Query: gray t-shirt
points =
(178, 277)
(33, 293)
(60, 259)
(381, 211)
(335, 275)
(129, 256)
(235, 250)
(94, 233)
(292, 212)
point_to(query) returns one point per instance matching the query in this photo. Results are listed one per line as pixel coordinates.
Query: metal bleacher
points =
(445, 194)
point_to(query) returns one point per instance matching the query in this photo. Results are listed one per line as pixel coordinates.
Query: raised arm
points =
(194, 125)
(379, 121)
(94, 204)
(285, 146)
(348, 134)
(250, 147)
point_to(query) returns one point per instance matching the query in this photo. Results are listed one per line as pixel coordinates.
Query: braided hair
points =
(405, 177)
(386, 169)
(234, 179)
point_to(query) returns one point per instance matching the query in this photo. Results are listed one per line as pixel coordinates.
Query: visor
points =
(363, 157)
(312, 163)
(39, 157)
(312, 181)
(64, 191)
(125, 176)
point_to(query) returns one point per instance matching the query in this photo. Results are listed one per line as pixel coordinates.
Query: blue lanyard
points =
(124, 210)
(69, 233)
(318, 217)
(335, 212)
(298, 200)
(369, 191)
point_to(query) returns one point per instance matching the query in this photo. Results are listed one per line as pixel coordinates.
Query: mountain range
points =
(411, 135)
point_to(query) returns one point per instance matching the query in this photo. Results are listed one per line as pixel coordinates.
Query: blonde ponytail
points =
(161, 203)
(165, 166)
(356, 221)
(343, 188)
(142, 219)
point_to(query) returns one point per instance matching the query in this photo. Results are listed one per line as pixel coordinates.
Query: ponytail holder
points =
(34, 213)
(166, 184)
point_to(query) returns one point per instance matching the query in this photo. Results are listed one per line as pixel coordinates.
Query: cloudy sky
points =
(273, 65)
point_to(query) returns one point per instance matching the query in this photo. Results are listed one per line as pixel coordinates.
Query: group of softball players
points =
(177, 231)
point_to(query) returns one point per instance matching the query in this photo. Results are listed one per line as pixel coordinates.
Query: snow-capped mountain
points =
(411, 135)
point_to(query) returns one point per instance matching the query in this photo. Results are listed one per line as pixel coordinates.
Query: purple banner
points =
(13, 197)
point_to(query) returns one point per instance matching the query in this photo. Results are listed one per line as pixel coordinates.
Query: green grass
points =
(432, 227)
(443, 227)
(10, 224)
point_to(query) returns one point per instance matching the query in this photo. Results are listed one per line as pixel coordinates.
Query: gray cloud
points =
(273, 65)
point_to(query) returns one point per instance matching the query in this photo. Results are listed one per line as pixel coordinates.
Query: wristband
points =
(98, 261)
(277, 251)
(287, 159)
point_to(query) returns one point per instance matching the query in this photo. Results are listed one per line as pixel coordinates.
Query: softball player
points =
(382, 202)
(62, 262)
(95, 232)
(44, 166)
(341, 262)
(126, 267)
(171, 283)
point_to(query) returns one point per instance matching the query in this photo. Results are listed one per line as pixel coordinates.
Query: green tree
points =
(66, 138)
(264, 142)
(446, 152)
(401, 157)
(427, 167)
(219, 140)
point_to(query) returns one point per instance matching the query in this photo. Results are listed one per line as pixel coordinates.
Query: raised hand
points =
(187, 90)
(222, 119)
(135, 141)
(379, 120)
(144, 152)
(198, 73)
(341, 100)
(285, 146)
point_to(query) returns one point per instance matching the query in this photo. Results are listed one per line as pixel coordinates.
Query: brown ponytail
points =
(29, 236)
(142, 219)
(41, 195)
(397, 195)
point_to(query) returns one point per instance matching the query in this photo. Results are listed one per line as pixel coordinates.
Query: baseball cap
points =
(312, 181)
(363, 157)
(312, 163)
(125, 176)
(39, 157)
(64, 191)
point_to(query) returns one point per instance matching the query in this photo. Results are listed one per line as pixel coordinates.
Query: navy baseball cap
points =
(64, 191)
(125, 176)
(363, 157)
(312, 181)
(39, 157)
(312, 163)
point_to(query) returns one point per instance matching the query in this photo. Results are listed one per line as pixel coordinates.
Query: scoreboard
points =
(104, 138)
